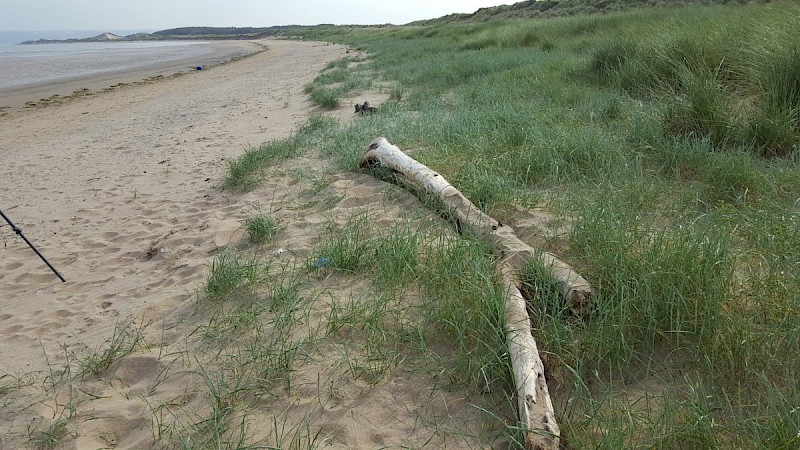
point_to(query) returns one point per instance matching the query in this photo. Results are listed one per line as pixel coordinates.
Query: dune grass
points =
(122, 343)
(255, 341)
(337, 81)
(732, 78)
(668, 138)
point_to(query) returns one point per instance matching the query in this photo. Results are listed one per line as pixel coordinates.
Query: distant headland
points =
(185, 33)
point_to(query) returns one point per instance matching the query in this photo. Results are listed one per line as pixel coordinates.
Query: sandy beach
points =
(94, 181)
(121, 191)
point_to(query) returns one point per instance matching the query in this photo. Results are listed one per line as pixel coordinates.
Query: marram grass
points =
(666, 140)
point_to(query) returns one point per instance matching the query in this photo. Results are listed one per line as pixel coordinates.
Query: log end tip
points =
(366, 159)
(377, 142)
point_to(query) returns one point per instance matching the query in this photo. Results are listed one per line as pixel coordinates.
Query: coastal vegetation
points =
(554, 8)
(655, 150)
(665, 141)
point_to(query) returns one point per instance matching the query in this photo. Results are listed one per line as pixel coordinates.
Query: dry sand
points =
(96, 182)
(121, 191)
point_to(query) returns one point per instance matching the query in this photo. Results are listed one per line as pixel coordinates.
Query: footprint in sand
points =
(138, 372)
(12, 330)
(14, 266)
(109, 235)
(95, 245)
(34, 278)
(62, 313)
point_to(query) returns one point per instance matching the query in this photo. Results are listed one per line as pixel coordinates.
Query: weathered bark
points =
(535, 408)
(575, 289)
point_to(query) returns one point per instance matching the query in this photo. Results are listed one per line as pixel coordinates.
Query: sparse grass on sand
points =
(668, 140)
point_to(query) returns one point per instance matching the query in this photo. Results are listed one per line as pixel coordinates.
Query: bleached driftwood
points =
(535, 408)
(575, 289)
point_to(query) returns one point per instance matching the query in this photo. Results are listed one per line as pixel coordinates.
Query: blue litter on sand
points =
(199, 67)
(322, 262)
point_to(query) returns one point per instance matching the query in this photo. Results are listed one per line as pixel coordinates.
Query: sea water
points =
(38, 64)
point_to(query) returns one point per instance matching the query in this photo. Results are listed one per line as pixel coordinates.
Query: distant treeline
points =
(220, 31)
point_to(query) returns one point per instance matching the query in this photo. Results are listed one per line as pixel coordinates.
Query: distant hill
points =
(551, 8)
(108, 37)
(220, 32)
(17, 36)
(213, 31)
(102, 37)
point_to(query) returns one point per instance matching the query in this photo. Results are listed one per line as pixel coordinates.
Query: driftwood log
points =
(514, 252)
(535, 408)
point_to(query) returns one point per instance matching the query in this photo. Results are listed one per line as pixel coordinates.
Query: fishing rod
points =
(19, 233)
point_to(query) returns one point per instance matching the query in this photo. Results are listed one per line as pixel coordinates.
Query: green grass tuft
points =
(346, 248)
(229, 274)
(324, 97)
(122, 343)
(260, 229)
(244, 170)
(464, 307)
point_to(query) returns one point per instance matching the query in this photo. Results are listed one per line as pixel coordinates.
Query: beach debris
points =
(365, 108)
(199, 67)
(322, 262)
(19, 233)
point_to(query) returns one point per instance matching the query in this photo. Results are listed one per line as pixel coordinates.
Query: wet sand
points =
(14, 98)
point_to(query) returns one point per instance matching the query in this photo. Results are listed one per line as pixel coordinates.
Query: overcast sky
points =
(163, 14)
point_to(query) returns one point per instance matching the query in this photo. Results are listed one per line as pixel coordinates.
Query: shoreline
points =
(43, 94)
